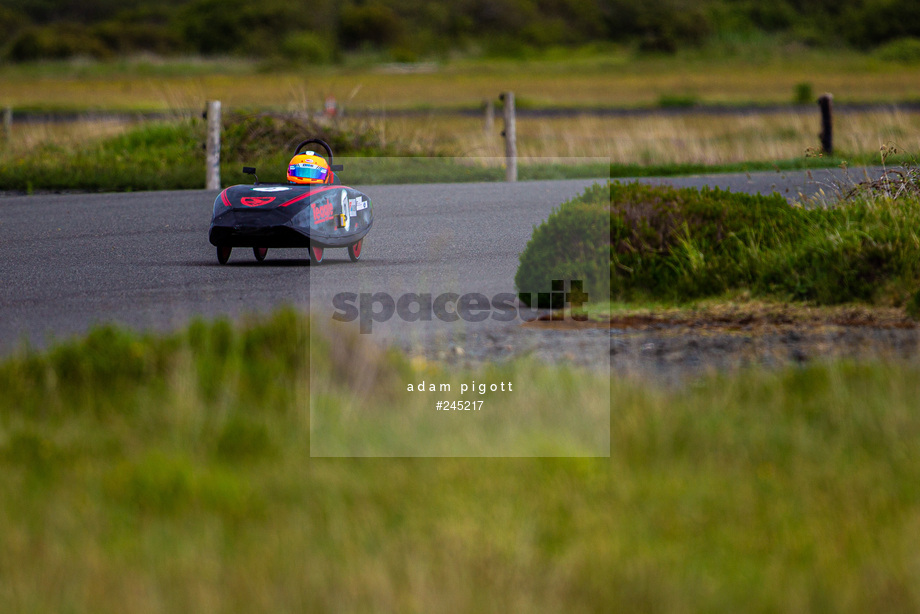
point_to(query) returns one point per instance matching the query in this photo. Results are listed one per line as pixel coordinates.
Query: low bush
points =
(679, 244)
(902, 50)
(259, 134)
(56, 41)
(308, 48)
(678, 101)
(803, 93)
(573, 243)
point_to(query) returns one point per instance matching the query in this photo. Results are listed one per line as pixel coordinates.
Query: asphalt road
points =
(143, 259)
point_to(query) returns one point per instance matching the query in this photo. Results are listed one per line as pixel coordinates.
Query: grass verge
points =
(109, 156)
(173, 474)
(170, 156)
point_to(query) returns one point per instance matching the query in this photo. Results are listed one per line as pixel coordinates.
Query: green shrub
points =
(664, 26)
(259, 134)
(306, 48)
(227, 27)
(679, 244)
(573, 243)
(902, 50)
(678, 101)
(12, 21)
(804, 93)
(57, 41)
(374, 23)
(128, 37)
(867, 23)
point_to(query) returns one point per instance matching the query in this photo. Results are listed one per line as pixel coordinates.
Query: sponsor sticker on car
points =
(323, 212)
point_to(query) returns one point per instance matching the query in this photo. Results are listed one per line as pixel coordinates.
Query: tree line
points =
(405, 30)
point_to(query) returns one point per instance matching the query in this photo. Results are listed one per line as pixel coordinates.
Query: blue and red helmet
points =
(308, 168)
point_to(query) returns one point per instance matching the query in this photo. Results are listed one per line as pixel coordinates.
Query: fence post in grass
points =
(827, 123)
(510, 134)
(212, 147)
(489, 124)
(7, 124)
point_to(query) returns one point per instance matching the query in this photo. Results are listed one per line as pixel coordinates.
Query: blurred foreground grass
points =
(162, 474)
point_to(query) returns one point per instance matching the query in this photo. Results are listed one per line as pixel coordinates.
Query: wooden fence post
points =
(510, 134)
(212, 147)
(489, 124)
(7, 124)
(827, 123)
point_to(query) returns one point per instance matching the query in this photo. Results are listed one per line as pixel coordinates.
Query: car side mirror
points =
(336, 168)
(251, 170)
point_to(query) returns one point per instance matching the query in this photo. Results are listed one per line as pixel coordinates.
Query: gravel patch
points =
(674, 351)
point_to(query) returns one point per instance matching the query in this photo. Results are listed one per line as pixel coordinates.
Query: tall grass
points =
(174, 474)
(660, 140)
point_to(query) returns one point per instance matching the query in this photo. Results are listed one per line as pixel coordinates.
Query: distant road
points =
(143, 259)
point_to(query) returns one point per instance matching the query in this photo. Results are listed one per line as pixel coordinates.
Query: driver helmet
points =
(307, 168)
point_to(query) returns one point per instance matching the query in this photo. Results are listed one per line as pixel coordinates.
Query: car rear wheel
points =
(354, 251)
(316, 254)
(259, 253)
(223, 253)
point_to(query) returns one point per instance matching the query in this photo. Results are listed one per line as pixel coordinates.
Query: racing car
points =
(313, 210)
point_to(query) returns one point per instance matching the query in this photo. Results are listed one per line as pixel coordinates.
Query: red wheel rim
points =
(357, 248)
(317, 253)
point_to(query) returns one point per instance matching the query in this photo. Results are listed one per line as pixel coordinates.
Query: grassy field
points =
(96, 156)
(174, 474)
(598, 80)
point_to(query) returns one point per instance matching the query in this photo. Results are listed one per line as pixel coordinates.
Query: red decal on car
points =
(307, 195)
(256, 201)
(223, 197)
(322, 212)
